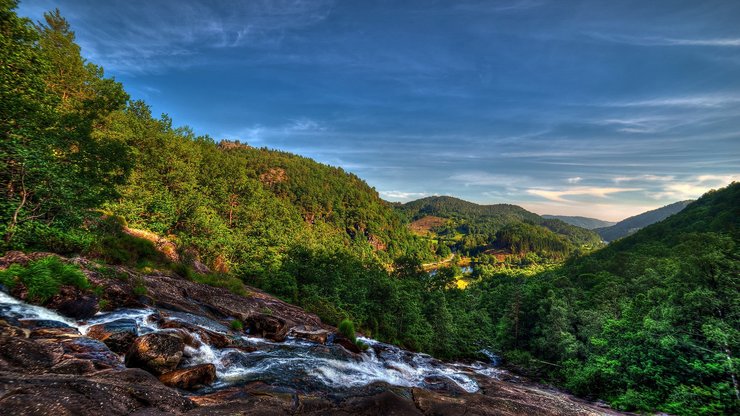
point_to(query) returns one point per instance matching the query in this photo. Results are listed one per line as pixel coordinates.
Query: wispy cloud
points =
(666, 41)
(574, 180)
(401, 195)
(644, 178)
(692, 187)
(561, 194)
(688, 101)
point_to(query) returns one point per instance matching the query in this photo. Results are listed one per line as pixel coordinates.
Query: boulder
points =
(313, 334)
(118, 335)
(347, 344)
(74, 303)
(267, 326)
(157, 353)
(190, 378)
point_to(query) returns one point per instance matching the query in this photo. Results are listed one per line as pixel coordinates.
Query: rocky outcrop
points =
(157, 353)
(190, 378)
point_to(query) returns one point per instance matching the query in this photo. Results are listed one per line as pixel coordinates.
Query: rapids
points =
(294, 363)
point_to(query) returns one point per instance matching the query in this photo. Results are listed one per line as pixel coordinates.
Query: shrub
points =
(237, 325)
(347, 328)
(44, 277)
(361, 345)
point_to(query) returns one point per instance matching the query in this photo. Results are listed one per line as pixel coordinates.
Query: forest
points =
(648, 323)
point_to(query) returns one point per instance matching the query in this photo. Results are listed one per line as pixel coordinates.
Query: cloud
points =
(574, 180)
(480, 178)
(689, 101)
(693, 187)
(142, 36)
(560, 195)
(401, 195)
(644, 178)
(729, 42)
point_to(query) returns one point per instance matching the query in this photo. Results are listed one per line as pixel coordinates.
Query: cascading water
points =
(294, 362)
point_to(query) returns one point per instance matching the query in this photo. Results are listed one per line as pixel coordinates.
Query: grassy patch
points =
(347, 328)
(237, 325)
(230, 283)
(44, 277)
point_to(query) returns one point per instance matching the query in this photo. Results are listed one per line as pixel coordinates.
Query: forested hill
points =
(651, 322)
(501, 226)
(450, 207)
(630, 225)
(583, 222)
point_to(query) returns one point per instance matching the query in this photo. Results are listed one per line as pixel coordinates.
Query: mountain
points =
(622, 323)
(583, 222)
(632, 224)
(471, 229)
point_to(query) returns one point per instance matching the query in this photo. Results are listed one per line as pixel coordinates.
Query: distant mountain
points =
(583, 222)
(632, 224)
(476, 228)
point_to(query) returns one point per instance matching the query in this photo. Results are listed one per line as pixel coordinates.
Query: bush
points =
(347, 328)
(44, 277)
(237, 325)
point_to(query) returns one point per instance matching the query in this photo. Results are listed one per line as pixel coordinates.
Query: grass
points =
(237, 325)
(347, 328)
(44, 277)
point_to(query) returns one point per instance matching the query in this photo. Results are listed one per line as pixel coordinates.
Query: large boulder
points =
(74, 303)
(346, 343)
(157, 353)
(268, 326)
(118, 335)
(190, 378)
(310, 333)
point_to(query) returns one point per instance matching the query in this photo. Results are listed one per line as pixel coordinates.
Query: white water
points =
(293, 362)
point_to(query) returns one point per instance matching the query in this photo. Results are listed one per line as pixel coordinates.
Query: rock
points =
(29, 356)
(110, 392)
(157, 353)
(267, 326)
(42, 323)
(347, 344)
(190, 378)
(74, 303)
(118, 335)
(313, 334)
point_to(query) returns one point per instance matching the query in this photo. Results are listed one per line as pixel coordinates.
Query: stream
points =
(292, 363)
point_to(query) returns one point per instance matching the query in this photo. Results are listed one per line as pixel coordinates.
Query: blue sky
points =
(603, 109)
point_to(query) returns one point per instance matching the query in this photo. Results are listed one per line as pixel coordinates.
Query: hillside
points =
(471, 229)
(632, 224)
(651, 322)
(583, 222)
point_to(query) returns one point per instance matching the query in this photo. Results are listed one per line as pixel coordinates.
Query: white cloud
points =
(666, 41)
(401, 195)
(561, 194)
(687, 101)
(644, 178)
(693, 187)
(576, 179)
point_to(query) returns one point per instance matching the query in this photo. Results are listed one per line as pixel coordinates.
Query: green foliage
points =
(237, 325)
(347, 328)
(43, 278)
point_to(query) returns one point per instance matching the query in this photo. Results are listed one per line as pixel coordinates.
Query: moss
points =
(237, 325)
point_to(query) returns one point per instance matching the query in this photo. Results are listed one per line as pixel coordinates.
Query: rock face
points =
(157, 353)
(118, 335)
(190, 378)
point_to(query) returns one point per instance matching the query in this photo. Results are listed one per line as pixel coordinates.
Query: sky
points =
(596, 108)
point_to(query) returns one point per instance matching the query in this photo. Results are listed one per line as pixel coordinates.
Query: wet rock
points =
(74, 303)
(267, 326)
(211, 338)
(347, 344)
(27, 355)
(313, 334)
(118, 335)
(157, 353)
(190, 378)
(56, 333)
(42, 323)
(109, 392)
(92, 350)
